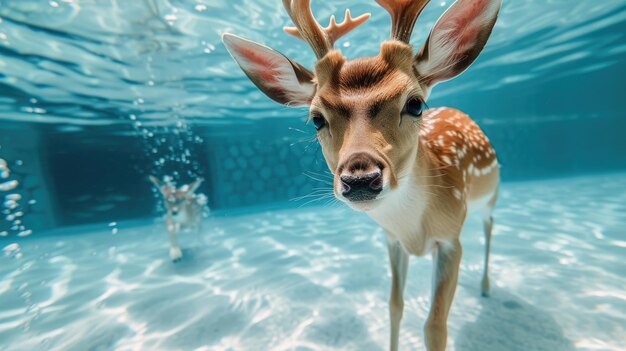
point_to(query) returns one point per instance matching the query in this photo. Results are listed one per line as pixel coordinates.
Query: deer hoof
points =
(485, 290)
(176, 254)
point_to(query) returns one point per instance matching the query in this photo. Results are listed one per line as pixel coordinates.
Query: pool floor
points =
(317, 278)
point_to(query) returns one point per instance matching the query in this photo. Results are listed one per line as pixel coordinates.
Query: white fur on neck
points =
(401, 212)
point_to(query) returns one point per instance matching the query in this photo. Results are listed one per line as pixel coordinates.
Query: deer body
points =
(455, 172)
(416, 172)
(183, 211)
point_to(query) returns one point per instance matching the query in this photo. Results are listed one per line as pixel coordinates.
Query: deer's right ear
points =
(280, 78)
(158, 184)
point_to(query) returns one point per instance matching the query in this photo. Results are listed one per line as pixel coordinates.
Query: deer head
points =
(367, 110)
(176, 198)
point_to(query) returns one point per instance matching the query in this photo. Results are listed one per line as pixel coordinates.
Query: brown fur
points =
(183, 211)
(420, 175)
(438, 154)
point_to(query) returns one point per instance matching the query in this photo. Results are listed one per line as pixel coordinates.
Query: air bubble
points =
(170, 18)
(12, 250)
(10, 185)
(25, 233)
(209, 48)
(15, 197)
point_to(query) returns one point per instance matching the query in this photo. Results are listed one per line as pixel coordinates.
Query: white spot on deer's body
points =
(446, 159)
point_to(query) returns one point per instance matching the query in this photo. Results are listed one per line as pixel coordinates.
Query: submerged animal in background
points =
(416, 172)
(184, 210)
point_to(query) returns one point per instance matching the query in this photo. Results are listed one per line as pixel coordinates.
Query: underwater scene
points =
(185, 175)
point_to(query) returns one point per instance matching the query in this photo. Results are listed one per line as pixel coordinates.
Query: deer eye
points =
(318, 120)
(414, 106)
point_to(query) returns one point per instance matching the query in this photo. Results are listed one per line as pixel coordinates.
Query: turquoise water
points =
(317, 279)
(96, 95)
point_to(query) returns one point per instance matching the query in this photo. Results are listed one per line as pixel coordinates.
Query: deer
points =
(184, 210)
(416, 171)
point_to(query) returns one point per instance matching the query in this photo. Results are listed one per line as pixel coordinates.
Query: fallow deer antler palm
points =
(416, 172)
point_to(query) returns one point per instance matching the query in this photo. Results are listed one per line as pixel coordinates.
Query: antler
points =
(321, 40)
(403, 13)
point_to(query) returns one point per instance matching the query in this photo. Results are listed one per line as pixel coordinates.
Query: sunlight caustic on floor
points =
(317, 279)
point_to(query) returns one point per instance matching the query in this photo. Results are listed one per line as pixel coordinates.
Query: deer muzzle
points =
(361, 177)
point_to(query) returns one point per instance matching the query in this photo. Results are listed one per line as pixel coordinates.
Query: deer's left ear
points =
(280, 78)
(456, 40)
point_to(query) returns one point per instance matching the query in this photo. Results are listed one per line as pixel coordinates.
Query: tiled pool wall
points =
(98, 174)
(19, 147)
(248, 172)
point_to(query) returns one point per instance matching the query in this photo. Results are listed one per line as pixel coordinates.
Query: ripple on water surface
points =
(94, 61)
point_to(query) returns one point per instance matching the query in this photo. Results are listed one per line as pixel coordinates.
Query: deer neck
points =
(401, 212)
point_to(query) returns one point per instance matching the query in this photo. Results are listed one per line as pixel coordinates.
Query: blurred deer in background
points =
(184, 210)
(416, 172)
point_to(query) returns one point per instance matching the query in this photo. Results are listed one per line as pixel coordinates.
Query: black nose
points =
(362, 187)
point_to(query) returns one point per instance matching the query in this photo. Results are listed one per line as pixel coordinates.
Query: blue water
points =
(97, 95)
(317, 279)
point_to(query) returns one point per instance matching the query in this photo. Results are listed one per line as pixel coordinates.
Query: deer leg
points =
(487, 227)
(173, 229)
(399, 260)
(197, 229)
(445, 275)
(199, 224)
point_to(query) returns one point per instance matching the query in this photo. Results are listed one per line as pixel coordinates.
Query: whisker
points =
(323, 174)
(317, 193)
(317, 199)
(317, 179)
(437, 186)
(298, 130)
(331, 202)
